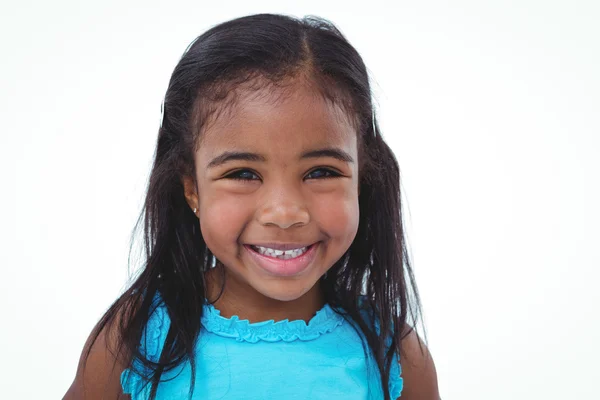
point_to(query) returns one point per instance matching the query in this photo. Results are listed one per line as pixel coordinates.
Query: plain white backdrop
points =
(492, 107)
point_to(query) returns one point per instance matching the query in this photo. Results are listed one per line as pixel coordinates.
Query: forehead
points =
(295, 117)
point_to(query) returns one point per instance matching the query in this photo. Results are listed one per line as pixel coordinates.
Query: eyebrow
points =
(338, 154)
(228, 156)
(234, 156)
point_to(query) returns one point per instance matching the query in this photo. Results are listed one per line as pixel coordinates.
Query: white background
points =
(491, 106)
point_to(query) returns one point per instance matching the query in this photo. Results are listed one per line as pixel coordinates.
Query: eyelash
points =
(330, 173)
(237, 175)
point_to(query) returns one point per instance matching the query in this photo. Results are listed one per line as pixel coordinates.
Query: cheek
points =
(338, 215)
(222, 219)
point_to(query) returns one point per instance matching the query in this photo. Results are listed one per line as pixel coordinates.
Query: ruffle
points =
(396, 383)
(153, 340)
(324, 321)
(153, 334)
(131, 384)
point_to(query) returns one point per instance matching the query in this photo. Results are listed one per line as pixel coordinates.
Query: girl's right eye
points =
(243, 175)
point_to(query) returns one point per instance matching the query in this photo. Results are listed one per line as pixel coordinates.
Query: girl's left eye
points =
(321, 173)
(243, 175)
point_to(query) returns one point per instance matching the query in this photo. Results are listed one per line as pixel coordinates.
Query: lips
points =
(283, 260)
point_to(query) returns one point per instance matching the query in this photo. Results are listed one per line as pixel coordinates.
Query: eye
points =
(243, 175)
(321, 173)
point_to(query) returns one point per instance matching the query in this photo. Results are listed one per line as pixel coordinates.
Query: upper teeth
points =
(282, 254)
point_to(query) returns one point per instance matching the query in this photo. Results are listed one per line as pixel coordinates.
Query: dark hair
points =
(270, 48)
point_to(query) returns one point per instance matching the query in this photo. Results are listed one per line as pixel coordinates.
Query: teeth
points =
(282, 255)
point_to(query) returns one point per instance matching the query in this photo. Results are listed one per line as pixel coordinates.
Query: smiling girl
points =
(276, 264)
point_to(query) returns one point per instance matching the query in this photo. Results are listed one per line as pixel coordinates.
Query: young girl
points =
(276, 261)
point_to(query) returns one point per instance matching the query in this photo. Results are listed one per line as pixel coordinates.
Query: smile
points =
(283, 260)
(280, 254)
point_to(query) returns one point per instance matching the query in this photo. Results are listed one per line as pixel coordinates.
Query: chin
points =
(284, 291)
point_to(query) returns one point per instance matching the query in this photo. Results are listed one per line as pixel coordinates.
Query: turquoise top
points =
(235, 359)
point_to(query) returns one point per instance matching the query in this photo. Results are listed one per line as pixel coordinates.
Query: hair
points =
(268, 49)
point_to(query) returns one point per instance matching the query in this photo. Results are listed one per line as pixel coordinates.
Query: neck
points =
(242, 300)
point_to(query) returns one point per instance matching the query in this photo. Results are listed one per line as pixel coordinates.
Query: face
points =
(277, 190)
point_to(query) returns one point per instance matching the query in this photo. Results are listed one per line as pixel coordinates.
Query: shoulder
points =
(100, 365)
(418, 369)
(419, 376)
(105, 356)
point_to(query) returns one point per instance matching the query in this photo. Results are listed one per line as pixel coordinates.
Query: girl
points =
(276, 261)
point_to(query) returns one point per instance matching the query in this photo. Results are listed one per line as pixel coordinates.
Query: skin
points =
(286, 198)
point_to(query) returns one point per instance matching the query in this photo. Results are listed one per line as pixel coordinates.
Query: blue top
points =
(235, 359)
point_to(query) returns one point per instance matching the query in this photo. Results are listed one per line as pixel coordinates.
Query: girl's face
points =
(277, 197)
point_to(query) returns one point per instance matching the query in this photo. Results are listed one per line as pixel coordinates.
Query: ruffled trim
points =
(131, 383)
(151, 345)
(396, 383)
(324, 321)
(153, 334)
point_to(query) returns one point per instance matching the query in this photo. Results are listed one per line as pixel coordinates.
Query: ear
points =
(190, 191)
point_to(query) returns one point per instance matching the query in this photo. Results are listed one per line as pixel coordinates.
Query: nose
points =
(283, 207)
